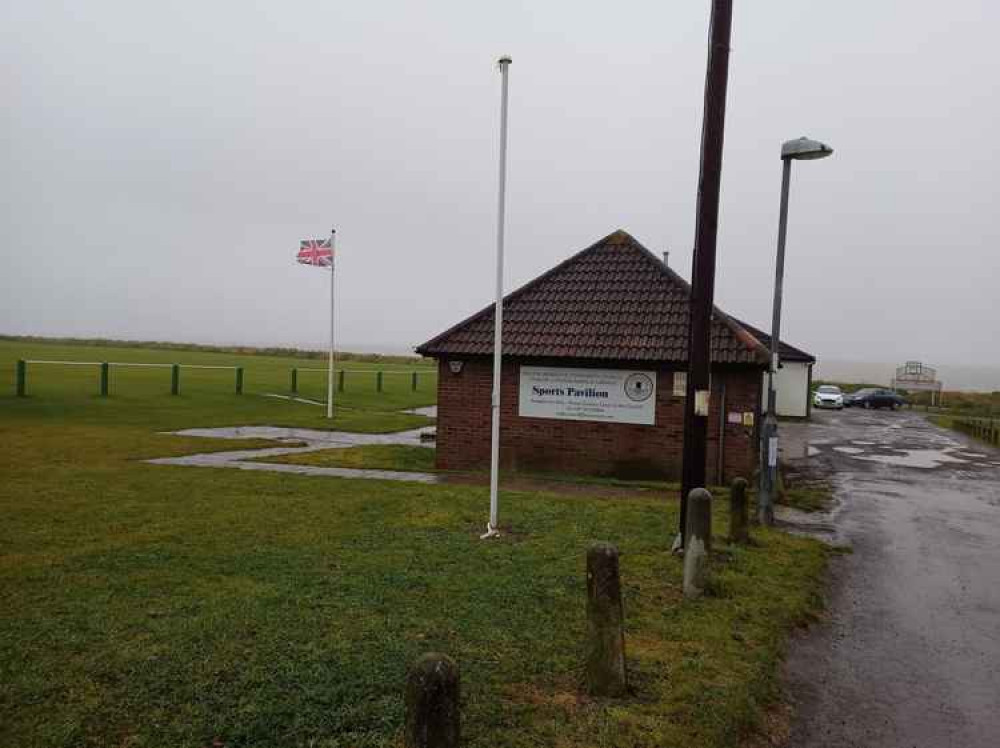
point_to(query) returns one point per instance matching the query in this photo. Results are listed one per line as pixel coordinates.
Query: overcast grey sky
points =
(162, 160)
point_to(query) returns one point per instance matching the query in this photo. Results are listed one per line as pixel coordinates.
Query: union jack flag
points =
(317, 252)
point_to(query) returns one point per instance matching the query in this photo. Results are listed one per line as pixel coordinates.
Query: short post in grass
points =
(378, 381)
(413, 381)
(239, 380)
(698, 543)
(175, 379)
(295, 380)
(340, 381)
(22, 377)
(104, 379)
(433, 717)
(605, 623)
(739, 515)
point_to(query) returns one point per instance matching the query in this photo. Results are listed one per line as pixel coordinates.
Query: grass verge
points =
(148, 605)
(369, 456)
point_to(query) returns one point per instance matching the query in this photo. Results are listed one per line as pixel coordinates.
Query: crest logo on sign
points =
(638, 387)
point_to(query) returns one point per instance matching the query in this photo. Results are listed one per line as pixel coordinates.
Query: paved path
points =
(910, 654)
(312, 439)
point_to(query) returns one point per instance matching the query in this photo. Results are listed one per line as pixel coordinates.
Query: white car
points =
(828, 396)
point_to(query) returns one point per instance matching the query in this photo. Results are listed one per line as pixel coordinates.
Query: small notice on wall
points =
(613, 395)
(735, 417)
(680, 383)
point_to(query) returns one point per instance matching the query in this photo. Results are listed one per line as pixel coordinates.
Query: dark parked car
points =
(874, 398)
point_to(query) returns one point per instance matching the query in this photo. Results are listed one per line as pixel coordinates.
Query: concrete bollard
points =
(698, 543)
(739, 516)
(605, 623)
(433, 716)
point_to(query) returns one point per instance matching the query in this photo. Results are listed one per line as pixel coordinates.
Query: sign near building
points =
(612, 395)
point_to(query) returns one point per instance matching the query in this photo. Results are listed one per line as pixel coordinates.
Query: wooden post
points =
(175, 379)
(22, 377)
(605, 623)
(378, 381)
(433, 716)
(239, 380)
(295, 380)
(104, 379)
(413, 382)
(739, 518)
(697, 543)
(340, 381)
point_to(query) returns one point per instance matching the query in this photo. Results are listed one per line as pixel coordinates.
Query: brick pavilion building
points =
(594, 371)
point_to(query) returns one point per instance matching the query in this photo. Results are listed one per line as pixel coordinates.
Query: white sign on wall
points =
(613, 395)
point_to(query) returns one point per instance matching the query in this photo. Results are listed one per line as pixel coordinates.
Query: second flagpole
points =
(329, 377)
(491, 528)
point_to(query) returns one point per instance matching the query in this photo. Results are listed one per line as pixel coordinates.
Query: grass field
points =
(141, 395)
(146, 605)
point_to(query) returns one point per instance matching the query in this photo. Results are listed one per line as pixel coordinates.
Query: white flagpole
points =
(491, 528)
(329, 377)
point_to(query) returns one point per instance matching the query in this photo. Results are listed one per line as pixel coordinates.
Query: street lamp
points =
(801, 149)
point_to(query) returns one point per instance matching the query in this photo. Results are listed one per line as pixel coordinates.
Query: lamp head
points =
(804, 149)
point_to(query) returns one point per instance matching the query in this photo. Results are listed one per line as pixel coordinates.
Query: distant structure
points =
(913, 375)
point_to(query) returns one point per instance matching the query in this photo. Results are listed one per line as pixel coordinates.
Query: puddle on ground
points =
(850, 450)
(315, 440)
(311, 436)
(916, 458)
(431, 411)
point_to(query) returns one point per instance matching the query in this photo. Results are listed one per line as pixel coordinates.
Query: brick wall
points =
(585, 447)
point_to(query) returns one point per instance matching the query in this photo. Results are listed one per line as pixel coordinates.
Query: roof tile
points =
(614, 300)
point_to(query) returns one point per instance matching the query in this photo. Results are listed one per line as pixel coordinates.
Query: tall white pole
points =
(491, 528)
(329, 377)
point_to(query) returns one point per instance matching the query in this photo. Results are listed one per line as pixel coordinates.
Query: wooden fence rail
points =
(986, 429)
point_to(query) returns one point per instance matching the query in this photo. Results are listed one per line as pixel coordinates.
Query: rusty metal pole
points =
(703, 262)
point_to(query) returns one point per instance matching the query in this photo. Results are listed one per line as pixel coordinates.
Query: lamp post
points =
(801, 149)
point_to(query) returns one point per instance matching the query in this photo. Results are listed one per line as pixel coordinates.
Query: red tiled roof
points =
(613, 301)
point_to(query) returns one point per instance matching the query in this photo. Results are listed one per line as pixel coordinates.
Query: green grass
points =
(813, 497)
(142, 395)
(370, 456)
(411, 361)
(145, 605)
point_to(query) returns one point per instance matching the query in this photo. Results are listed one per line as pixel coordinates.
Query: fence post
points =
(104, 379)
(605, 623)
(340, 381)
(175, 379)
(378, 381)
(22, 376)
(739, 519)
(413, 382)
(433, 716)
(295, 380)
(698, 536)
(239, 380)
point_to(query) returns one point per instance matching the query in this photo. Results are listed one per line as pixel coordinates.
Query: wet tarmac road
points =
(910, 652)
